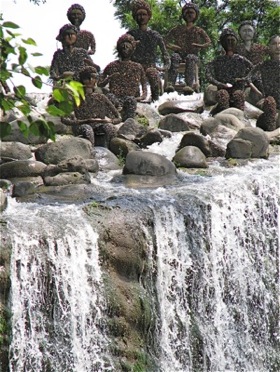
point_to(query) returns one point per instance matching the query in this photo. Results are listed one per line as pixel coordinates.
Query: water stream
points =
(217, 277)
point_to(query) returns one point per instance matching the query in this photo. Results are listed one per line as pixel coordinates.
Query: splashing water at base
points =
(56, 299)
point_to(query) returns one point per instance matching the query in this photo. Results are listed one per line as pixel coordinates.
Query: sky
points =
(42, 23)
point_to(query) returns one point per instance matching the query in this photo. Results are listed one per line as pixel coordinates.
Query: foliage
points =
(214, 16)
(65, 95)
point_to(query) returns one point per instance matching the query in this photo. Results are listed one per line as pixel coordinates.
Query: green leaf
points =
(54, 111)
(5, 129)
(20, 91)
(34, 128)
(42, 70)
(37, 82)
(58, 95)
(29, 41)
(10, 25)
(23, 128)
(36, 54)
(24, 71)
(25, 109)
(22, 55)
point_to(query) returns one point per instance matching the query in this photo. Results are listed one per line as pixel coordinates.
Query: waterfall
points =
(218, 282)
(56, 293)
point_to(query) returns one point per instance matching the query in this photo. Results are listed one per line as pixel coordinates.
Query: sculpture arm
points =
(210, 76)
(143, 81)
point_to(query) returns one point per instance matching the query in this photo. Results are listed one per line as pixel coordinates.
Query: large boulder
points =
(197, 140)
(173, 123)
(193, 104)
(148, 163)
(248, 143)
(15, 151)
(66, 148)
(21, 168)
(121, 146)
(190, 157)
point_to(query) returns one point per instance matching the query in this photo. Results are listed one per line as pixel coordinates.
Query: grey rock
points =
(190, 157)
(147, 163)
(15, 150)
(66, 148)
(173, 123)
(21, 168)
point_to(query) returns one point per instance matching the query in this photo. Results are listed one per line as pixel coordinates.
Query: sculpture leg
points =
(172, 72)
(237, 100)
(222, 102)
(155, 82)
(86, 131)
(129, 105)
(191, 71)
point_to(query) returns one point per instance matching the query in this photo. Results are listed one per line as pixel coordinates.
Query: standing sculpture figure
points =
(255, 52)
(125, 77)
(68, 61)
(146, 52)
(186, 41)
(227, 73)
(85, 39)
(96, 114)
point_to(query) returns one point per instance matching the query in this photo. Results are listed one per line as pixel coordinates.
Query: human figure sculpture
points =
(226, 72)
(255, 52)
(68, 61)
(125, 78)
(146, 52)
(96, 115)
(269, 71)
(186, 41)
(85, 39)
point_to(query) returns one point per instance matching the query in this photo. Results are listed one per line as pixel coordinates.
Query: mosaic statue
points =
(85, 39)
(96, 115)
(186, 41)
(227, 73)
(68, 61)
(126, 78)
(255, 52)
(269, 71)
(146, 52)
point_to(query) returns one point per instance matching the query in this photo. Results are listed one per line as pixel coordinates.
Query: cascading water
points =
(214, 262)
(56, 295)
(218, 275)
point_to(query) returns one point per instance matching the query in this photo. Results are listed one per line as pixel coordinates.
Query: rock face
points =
(53, 153)
(149, 164)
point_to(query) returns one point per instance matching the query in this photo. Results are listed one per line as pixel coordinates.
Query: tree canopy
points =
(214, 15)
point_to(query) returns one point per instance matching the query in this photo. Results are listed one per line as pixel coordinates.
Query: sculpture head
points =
(141, 12)
(247, 30)
(228, 39)
(88, 76)
(67, 34)
(190, 12)
(126, 45)
(274, 47)
(76, 14)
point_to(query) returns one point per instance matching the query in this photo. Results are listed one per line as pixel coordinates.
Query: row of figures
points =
(112, 93)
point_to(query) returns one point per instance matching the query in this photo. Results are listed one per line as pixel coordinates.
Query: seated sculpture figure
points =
(146, 52)
(68, 61)
(269, 71)
(96, 115)
(226, 72)
(125, 78)
(186, 41)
